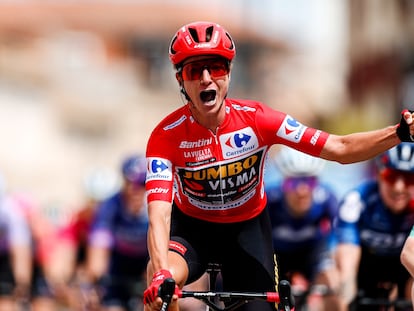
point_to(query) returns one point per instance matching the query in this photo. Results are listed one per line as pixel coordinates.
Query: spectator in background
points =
(374, 221)
(302, 212)
(117, 245)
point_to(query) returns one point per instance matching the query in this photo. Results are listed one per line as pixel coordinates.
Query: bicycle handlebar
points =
(166, 291)
(284, 297)
(385, 302)
(268, 296)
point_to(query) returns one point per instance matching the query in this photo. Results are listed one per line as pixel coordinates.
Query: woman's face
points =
(396, 189)
(206, 81)
(299, 193)
(135, 197)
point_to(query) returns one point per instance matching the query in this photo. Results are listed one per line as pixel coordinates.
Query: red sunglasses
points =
(217, 67)
(391, 176)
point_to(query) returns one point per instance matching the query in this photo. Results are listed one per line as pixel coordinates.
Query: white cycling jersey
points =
(14, 228)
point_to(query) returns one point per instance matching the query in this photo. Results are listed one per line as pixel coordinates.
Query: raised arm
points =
(362, 146)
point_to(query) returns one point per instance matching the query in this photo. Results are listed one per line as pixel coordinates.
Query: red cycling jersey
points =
(219, 177)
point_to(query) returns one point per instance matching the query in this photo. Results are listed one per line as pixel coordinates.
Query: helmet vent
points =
(400, 157)
(209, 33)
(405, 152)
(231, 47)
(194, 34)
(172, 51)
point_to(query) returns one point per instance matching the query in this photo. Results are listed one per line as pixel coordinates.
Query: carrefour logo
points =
(238, 143)
(159, 169)
(157, 166)
(238, 140)
(291, 129)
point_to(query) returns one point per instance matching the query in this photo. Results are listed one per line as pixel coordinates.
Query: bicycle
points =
(384, 304)
(301, 296)
(215, 299)
(380, 302)
(82, 295)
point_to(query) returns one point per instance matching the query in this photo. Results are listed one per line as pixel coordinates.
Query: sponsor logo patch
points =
(238, 143)
(159, 169)
(222, 185)
(178, 247)
(291, 130)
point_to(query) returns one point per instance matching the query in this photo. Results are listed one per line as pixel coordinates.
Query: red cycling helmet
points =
(201, 38)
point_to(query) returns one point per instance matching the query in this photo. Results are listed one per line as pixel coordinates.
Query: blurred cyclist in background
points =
(15, 254)
(44, 235)
(27, 240)
(374, 221)
(117, 245)
(67, 270)
(302, 212)
(407, 259)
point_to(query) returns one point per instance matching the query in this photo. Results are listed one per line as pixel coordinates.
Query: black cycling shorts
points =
(124, 282)
(6, 276)
(375, 270)
(243, 249)
(309, 261)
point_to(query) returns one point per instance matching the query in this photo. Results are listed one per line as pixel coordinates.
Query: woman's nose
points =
(205, 75)
(400, 183)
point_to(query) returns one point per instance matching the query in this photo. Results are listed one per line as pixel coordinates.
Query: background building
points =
(82, 83)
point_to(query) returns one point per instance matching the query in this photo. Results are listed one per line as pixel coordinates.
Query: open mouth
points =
(208, 95)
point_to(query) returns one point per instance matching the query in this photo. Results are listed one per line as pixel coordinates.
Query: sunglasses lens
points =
(191, 72)
(292, 183)
(391, 176)
(216, 68)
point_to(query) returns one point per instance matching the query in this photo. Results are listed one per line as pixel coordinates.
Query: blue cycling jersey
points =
(365, 220)
(292, 234)
(122, 232)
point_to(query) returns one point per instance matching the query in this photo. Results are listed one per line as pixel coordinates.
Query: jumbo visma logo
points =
(222, 182)
(220, 172)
